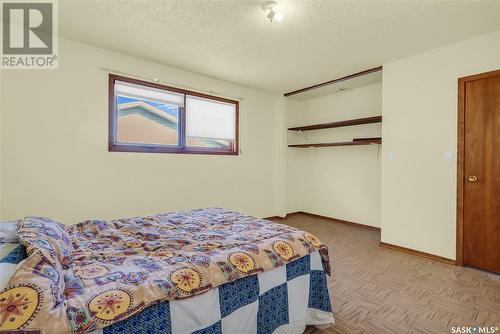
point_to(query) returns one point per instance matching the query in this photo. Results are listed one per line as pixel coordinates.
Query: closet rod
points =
(350, 76)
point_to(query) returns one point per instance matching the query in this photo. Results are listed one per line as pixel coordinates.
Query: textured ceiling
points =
(234, 41)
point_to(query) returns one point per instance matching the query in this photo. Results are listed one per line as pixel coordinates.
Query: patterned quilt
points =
(93, 274)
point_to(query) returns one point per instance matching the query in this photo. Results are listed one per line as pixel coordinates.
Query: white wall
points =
(419, 125)
(55, 160)
(338, 182)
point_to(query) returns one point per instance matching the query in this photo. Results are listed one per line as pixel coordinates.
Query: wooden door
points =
(481, 173)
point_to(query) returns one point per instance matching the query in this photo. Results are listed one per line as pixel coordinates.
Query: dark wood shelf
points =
(350, 122)
(355, 141)
(348, 77)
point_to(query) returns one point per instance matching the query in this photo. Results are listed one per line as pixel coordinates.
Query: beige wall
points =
(419, 126)
(338, 182)
(55, 160)
(281, 157)
(1, 122)
(296, 167)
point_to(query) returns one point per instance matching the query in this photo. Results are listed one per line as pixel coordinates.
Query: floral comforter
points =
(81, 277)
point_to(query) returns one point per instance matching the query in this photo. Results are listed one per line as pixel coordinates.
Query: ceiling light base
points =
(272, 10)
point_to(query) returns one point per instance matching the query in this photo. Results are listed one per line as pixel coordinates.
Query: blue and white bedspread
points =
(282, 300)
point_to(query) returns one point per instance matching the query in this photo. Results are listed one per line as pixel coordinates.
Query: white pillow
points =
(8, 231)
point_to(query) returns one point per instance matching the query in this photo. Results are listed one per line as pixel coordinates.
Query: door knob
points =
(472, 178)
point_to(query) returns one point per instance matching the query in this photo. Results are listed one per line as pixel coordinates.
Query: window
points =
(148, 117)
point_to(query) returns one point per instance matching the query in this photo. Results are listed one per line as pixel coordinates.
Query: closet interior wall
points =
(337, 182)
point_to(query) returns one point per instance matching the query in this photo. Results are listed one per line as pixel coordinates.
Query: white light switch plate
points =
(391, 156)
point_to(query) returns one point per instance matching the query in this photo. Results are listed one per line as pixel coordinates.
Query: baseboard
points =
(418, 253)
(382, 244)
(345, 222)
(274, 218)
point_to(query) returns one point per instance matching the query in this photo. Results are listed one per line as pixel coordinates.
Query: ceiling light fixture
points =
(273, 12)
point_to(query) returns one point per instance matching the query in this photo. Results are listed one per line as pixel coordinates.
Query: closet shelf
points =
(355, 141)
(357, 121)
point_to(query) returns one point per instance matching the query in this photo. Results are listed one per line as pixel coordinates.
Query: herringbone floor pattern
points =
(378, 290)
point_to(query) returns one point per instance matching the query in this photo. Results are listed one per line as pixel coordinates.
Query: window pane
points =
(210, 123)
(147, 115)
(148, 93)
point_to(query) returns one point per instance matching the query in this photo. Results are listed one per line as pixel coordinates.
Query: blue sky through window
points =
(172, 110)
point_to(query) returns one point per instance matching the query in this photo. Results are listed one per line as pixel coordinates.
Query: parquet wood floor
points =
(379, 290)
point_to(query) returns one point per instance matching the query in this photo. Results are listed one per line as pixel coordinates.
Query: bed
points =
(200, 271)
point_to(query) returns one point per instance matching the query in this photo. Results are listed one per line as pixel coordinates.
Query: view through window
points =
(147, 117)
